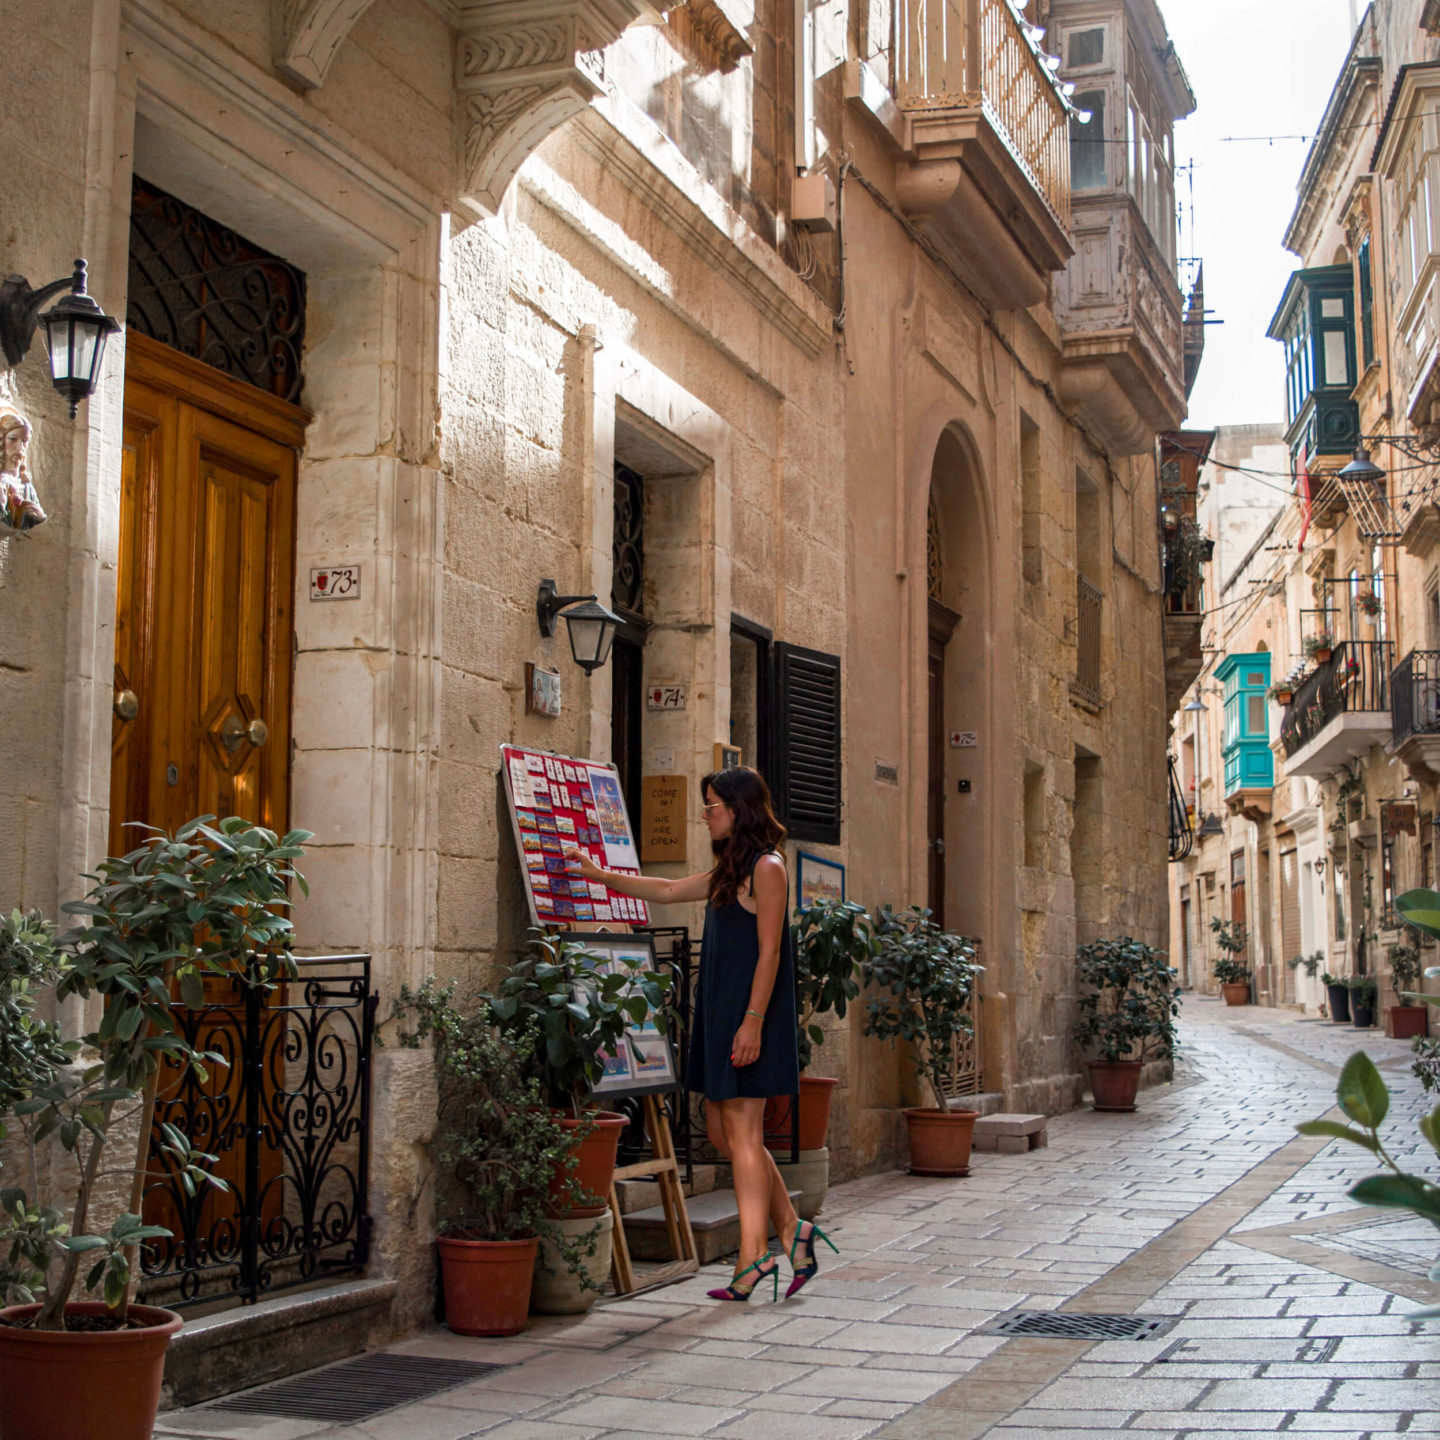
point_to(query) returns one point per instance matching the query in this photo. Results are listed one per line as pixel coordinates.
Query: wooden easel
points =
(665, 1171)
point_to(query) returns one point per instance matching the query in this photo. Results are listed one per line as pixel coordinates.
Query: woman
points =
(742, 1041)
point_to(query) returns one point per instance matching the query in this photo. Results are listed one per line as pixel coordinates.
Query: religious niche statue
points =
(19, 504)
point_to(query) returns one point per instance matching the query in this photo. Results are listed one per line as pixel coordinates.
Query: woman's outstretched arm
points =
(643, 887)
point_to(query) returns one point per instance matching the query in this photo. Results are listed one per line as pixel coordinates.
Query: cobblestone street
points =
(1288, 1302)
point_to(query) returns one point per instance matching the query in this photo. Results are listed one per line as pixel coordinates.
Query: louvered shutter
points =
(806, 746)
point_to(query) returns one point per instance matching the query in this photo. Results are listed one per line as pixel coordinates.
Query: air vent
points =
(1074, 1325)
(356, 1390)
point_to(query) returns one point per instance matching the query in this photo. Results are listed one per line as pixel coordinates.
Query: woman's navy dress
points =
(729, 952)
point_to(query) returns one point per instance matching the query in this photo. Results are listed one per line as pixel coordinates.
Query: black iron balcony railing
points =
(1182, 832)
(1415, 695)
(1355, 678)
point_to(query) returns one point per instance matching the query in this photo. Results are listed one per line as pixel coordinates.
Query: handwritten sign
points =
(662, 817)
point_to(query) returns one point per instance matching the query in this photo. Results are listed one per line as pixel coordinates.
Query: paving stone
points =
(653, 1417)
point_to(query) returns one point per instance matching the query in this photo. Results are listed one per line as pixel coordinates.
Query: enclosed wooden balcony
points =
(988, 131)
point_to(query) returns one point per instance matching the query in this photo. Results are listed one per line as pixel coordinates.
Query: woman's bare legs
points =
(760, 1193)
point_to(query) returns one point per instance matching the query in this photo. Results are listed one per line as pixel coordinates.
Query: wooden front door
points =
(205, 589)
(942, 621)
(203, 655)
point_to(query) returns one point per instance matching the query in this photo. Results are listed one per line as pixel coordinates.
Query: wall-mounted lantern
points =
(76, 330)
(591, 626)
(1210, 825)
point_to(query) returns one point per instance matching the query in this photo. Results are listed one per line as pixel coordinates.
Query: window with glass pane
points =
(1367, 305)
(1256, 720)
(1087, 142)
(1086, 47)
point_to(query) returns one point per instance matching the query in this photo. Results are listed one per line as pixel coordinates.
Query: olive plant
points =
(833, 938)
(575, 1010)
(174, 910)
(1130, 1003)
(926, 976)
(1364, 1098)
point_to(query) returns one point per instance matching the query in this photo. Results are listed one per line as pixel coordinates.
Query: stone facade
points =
(1346, 821)
(540, 245)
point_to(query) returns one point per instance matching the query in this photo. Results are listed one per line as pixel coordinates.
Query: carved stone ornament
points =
(522, 68)
(710, 32)
(19, 504)
(309, 32)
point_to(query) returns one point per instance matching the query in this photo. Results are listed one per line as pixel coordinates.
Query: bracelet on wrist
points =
(755, 1013)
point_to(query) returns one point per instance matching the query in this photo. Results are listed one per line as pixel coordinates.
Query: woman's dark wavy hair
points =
(755, 830)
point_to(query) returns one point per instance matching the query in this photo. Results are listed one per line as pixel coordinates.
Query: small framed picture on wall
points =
(817, 878)
(727, 757)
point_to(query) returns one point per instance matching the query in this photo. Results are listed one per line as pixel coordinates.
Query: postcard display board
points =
(555, 800)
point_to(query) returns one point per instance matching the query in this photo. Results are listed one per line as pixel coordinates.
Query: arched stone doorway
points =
(959, 744)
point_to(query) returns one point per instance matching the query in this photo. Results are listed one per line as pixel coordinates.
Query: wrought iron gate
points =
(288, 1115)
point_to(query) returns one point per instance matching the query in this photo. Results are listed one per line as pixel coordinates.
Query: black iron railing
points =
(1415, 695)
(1182, 832)
(1356, 678)
(1089, 603)
(288, 1116)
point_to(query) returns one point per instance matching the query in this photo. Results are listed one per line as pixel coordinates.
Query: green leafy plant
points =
(1363, 988)
(1311, 963)
(1189, 549)
(1327, 979)
(1130, 1002)
(1230, 938)
(1229, 971)
(1281, 690)
(1314, 644)
(1405, 965)
(500, 1157)
(1426, 1065)
(573, 1012)
(1368, 601)
(178, 908)
(1365, 1100)
(925, 976)
(833, 938)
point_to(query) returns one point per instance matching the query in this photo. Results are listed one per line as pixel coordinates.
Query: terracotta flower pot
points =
(940, 1141)
(1339, 997)
(57, 1383)
(815, 1094)
(487, 1284)
(595, 1171)
(1321, 654)
(1405, 1022)
(1115, 1085)
(1236, 992)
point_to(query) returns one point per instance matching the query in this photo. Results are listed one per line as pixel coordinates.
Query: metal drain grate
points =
(1075, 1325)
(356, 1390)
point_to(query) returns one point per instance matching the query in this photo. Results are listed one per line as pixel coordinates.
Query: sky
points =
(1258, 67)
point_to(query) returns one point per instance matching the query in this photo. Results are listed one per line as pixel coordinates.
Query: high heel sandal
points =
(811, 1267)
(736, 1291)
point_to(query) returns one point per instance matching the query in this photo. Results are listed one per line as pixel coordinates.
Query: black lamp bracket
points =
(20, 310)
(550, 603)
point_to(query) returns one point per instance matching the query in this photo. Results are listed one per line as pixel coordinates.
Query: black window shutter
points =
(806, 743)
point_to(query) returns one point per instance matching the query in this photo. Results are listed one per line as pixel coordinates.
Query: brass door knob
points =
(235, 732)
(127, 704)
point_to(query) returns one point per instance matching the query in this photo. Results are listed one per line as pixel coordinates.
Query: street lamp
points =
(1362, 469)
(76, 330)
(590, 625)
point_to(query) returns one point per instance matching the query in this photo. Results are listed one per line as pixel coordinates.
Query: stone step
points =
(253, 1344)
(1010, 1133)
(714, 1218)
(645, 1194)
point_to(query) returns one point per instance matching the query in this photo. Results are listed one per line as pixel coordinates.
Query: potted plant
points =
(499, 1156)
(1282, 691)
(1364, 1099)
(1426, 1065)
(1420, 910)
(202, 902)
(1318, 646)
(577, 1013)
(1127, 1015)
(1231, 972)
(1337, 992)
(1363, 989)
(1404, 1022)
(924, 977)
(1369, 602)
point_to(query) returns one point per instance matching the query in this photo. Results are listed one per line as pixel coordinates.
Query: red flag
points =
(1302, 484)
